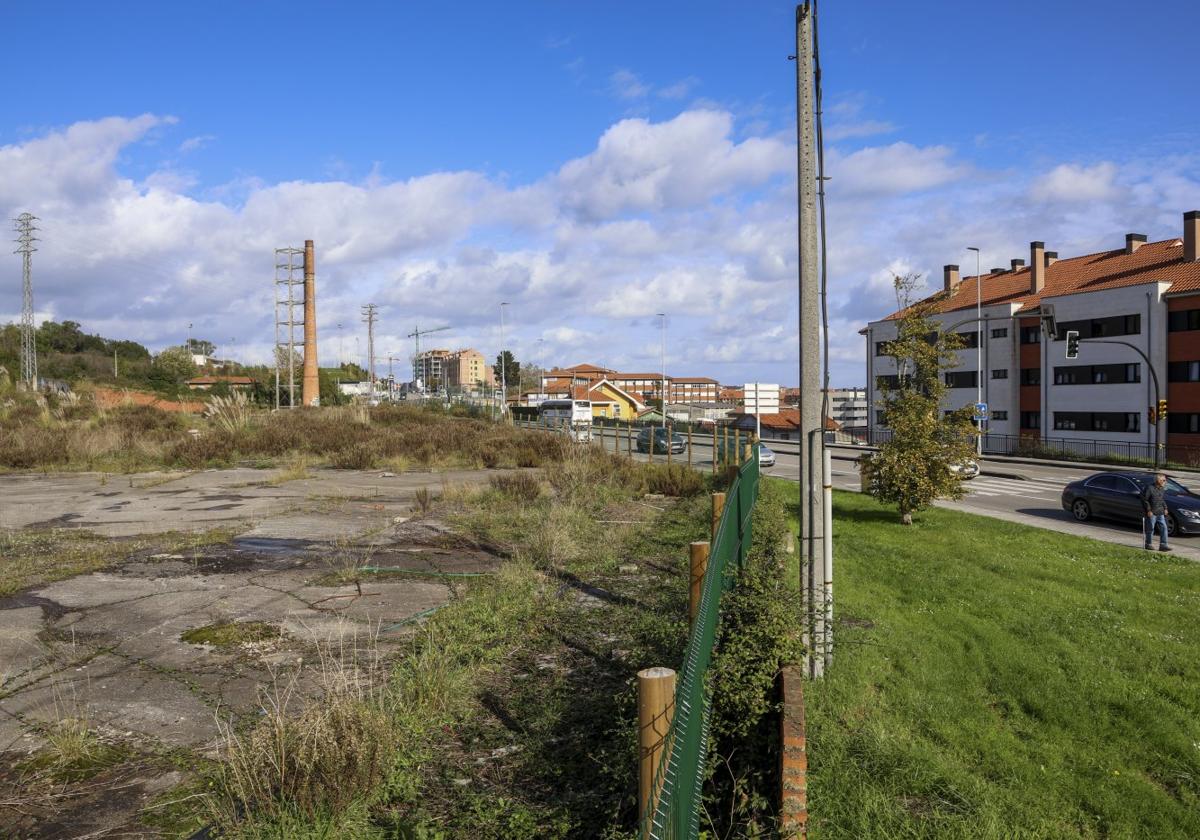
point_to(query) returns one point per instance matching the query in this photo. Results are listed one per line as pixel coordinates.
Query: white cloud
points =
(198, 142)
(677, 216)
(898, 168)
(1070, 182)
(625, 84)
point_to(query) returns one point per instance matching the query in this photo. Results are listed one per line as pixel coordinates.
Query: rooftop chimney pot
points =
(1133, 241)
(1191, 235)
(1017, 265)
(1037, 267)
(1051, 258)
(999, 270)
(950, 277)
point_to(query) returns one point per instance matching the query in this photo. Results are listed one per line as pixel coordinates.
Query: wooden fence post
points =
(689, 446)
(629, 440)
(737, 447)
(699, 564)
(670, 439)
(656, 708)
(714, 470)
(653, 442)
(718, 503)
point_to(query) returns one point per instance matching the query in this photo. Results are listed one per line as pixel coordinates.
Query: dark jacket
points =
(1154, 501)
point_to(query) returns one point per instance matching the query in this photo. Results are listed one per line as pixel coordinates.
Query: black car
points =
(678, 444)
(1118, 495)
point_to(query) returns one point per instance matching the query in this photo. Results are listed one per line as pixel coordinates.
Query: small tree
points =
(913, 468)
(512, 369)
(174, 365)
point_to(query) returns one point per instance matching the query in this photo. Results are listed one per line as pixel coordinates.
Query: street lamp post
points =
(662, 317)
(503, 365)
(978, 351)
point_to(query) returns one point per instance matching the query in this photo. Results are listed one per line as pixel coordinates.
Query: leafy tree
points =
(912, 469)
(202, 347)
(512, 369)
(174, 365)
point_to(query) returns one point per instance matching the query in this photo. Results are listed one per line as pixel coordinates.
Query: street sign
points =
(981, 411)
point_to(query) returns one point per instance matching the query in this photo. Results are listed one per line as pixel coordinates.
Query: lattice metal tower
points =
(25, 239)
(369, 312)
(289, 274)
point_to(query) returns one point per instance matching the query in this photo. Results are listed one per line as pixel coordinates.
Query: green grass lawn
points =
(993, 680)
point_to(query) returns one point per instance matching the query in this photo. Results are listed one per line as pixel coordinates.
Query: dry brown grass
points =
(310, 755)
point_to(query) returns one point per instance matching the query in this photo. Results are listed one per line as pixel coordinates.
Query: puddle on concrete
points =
(271, 545)
(51, 610)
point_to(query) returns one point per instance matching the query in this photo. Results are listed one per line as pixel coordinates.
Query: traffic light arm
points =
(1153, 378)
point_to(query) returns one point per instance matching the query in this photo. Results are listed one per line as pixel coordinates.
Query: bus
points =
(571, 416)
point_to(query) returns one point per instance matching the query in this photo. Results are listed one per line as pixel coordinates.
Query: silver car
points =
(965, 470)
(766, 458)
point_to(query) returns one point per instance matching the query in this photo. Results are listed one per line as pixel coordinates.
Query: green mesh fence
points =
(681, 771)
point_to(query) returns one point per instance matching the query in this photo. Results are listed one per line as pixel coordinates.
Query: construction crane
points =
(416, 336)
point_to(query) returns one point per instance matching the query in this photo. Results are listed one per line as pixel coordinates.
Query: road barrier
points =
(670, 804)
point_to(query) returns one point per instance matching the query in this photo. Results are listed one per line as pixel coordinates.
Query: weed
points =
(422, 501)
(229, 414)
(310, 762)
(74, 752)
(521, 486)
(357, 456)
(231, 634)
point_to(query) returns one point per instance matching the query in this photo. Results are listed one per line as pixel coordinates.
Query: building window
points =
(879, 417)
(961, 379)
(1097, 374)
(1183, 319)
(999, 415)
(1101, 327)
(969, 339)
(1031, 420)
(1031, 376)
(1097, 421)
(1000, 373)
(886, 381)
(881, 348)
(1031, 335)
(1183, 424)
(1000, 332)
(1183, 371)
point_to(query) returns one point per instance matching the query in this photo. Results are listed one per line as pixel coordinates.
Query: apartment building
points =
(848, 407)
(430, 368)
(693, 389)
(1139, 303)
(468, 370)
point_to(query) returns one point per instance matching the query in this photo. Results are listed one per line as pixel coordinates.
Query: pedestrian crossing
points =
(1041, 489)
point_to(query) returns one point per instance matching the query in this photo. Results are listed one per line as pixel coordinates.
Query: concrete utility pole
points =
(368, 313)
(662, 317)
(812, 436)
(503, 365)
(25, 239)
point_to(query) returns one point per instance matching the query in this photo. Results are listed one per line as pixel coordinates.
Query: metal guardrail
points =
(680, 776)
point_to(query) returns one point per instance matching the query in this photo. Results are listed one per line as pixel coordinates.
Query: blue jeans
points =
(1149, 523)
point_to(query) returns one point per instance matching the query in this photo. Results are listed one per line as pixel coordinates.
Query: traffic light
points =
(1072, 344)
(1152, 414)
(1162, 409)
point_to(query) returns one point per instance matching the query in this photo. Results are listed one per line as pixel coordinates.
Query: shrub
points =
(522, 486)
(674, 480)
(196, 452)
(31, 447)
(357, 456)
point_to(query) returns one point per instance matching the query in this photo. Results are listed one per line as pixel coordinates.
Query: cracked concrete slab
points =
(107, 646)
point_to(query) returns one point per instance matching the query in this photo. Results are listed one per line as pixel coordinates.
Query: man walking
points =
(1154, 505)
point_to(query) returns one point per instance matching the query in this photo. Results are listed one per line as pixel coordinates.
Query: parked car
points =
(660, 436)
(1118, 495)
(965, 470)
(766, 458)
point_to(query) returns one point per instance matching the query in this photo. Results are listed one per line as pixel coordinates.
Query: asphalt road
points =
(1026, 493)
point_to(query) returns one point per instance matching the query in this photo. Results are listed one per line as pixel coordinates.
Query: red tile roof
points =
(213, 380)
(1154, 262)
(689, 380)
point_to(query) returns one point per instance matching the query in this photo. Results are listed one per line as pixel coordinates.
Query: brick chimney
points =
(1191, 235)
(1017, 265)
(950, 277)
(1051, 258)
(1037, 266)
(1133, 241)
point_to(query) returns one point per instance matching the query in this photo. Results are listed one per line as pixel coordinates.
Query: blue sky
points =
(591, 163)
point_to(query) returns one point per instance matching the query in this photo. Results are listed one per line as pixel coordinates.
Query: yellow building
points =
(611, 402)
